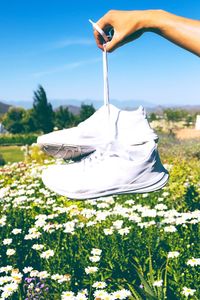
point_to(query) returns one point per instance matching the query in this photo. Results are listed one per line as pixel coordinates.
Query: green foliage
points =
(39, 118)
(42, 111)
(86, 111)
(18, 120)
(175, 115)
(17, 139)
(133, 259)
(33, 153)
(172, 148)
(29, 122)
(63, 118)
(152, 117)
(2, 160)
(13, 120)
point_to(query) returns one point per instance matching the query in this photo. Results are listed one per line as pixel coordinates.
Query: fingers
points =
(104, 24)
(99, 39)
(113, 44)
(110, 46)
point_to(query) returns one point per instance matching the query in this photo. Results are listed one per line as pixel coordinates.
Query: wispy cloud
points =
(73, 41)
(65, 67)
(43, 48)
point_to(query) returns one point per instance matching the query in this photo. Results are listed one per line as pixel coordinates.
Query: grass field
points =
(12, 153)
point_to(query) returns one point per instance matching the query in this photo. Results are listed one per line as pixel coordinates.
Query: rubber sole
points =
(153, 185)
(66, 151)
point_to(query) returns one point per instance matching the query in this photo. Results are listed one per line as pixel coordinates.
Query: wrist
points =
(153, 19)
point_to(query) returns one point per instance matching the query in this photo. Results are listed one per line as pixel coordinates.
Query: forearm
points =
(181, 31)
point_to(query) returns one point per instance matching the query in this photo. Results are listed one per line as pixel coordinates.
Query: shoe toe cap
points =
(60, 178)
(51, 176)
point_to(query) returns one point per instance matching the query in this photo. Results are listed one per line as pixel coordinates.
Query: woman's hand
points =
(129, 25)
(124, 23)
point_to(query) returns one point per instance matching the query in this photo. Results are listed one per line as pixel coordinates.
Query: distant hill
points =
(123, 104)
(74, 105)
(189, 108)
(3, 107)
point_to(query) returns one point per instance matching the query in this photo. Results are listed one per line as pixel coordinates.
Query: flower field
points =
(126, 247)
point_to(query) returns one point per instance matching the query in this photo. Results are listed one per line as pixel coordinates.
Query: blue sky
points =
(51, 43)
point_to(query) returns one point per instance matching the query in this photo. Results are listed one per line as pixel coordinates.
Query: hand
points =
(127, 25)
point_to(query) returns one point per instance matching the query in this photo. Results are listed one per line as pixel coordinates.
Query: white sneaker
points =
(115, 170)
(129, 127)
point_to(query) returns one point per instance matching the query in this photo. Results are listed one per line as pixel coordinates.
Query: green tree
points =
(29, 121)
(13, 120)
(86, 111)
(152, 117)
(64, 118)
(42, 111)
(175, 115)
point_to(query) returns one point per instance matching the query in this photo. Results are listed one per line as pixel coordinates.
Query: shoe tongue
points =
(101, 113)
(114, 148)
(100, 122)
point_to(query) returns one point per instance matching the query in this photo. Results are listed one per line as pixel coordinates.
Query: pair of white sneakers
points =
(118, 155)
(120, 152)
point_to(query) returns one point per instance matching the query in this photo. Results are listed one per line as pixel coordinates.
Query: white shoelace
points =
(112, 149)
(105, 66)
(105, 80)
(111, 130)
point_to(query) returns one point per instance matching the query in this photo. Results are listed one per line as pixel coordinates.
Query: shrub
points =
(34, 153)
(2, 160)
(17, 139)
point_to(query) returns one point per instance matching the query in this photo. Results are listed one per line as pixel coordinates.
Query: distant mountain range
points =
(3, 107)
(75, 110)
(123, 104)
(74, 105)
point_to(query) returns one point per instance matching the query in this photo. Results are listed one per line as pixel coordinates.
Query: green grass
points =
(12, 153)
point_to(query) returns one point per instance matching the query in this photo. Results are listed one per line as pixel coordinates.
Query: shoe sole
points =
(148, 187)
(66, 151)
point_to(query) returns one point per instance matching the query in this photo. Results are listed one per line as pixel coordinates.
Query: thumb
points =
(112, 45)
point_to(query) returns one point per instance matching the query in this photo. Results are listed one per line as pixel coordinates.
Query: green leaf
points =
(134, 292)
(146, 285)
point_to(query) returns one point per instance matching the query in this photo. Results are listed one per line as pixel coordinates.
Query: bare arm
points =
(129, 25)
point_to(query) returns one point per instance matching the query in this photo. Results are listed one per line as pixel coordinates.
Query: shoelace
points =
(105, 76)
(112, 149)
(105, 79)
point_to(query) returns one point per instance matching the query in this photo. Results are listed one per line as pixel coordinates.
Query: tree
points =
(86, 111)
(29, 121)
(152, 117)
(42, 111)
(13, 119)
(63, 118)
(175, 115)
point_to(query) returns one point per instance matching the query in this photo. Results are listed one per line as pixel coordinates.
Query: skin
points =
(130, 25)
